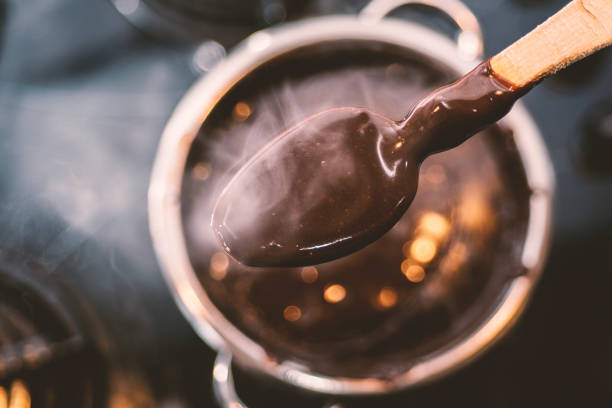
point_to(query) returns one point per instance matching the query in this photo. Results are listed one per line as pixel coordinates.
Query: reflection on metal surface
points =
(126, 7)
(188, 297)
(259, 41)
(538, 228)
(223, 382)
(481, 339)
(469, 39)
(220, 372)
(470, 43)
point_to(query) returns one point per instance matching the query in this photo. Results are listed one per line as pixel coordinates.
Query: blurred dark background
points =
(86, 319)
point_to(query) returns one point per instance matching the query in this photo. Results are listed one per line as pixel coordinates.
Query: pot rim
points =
(182, 128)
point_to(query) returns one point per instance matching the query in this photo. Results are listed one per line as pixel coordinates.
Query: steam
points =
(277, 108)
(80, 149)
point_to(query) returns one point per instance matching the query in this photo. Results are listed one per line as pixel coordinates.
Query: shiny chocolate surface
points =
(338, 180)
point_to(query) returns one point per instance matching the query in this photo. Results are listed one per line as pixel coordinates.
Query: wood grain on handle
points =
(579, 29)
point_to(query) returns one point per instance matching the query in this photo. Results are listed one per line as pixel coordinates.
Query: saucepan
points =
(223, 317)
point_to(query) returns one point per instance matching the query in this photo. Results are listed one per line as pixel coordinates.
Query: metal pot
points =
(458, 56)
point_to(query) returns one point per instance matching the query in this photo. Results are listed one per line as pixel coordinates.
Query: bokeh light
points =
(423, 249)
(413, 272)
(434, 225)
(334, 293)
(292, 313)
(387, 297)
(242, 111)
(309, 274)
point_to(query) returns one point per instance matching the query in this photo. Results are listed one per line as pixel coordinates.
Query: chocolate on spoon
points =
(340, 179)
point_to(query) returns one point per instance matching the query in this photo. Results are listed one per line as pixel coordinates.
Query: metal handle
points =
(469, 39)
(223, 382)
(225, 388)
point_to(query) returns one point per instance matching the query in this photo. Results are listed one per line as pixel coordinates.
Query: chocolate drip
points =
(452, 114)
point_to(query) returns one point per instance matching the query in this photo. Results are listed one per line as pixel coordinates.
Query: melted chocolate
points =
(340, 179)
(479, 188)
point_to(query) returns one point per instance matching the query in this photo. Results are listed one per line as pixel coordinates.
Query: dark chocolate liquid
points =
(340, 179)
(395, 309)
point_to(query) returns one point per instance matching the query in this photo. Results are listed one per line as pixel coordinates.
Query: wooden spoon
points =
(340, 179)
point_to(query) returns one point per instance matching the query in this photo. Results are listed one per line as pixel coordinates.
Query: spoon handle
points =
(577, 30)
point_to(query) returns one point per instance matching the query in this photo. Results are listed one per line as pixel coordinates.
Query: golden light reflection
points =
(334, 293)
(423, 249)
(387, 297)
(218, 265)
(242, 111)
(309, 274)
(188, 296)
(413, 272)
(121, 401)
(221, 372)
(435, 174)
(406, 248)
(405, 265)
(201, 171)
(3, 398)
(19, 396)
(473, 211)
(130, 391)
(434, 224)
(457, 254)
(292, 313)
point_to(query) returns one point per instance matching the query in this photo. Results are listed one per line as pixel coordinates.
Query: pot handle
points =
(225, 389)
(469, 40)
(223, 382)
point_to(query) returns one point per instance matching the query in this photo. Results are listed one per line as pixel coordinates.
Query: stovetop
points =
(85, 93)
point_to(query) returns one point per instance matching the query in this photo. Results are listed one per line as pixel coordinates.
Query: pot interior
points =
(426, 284)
